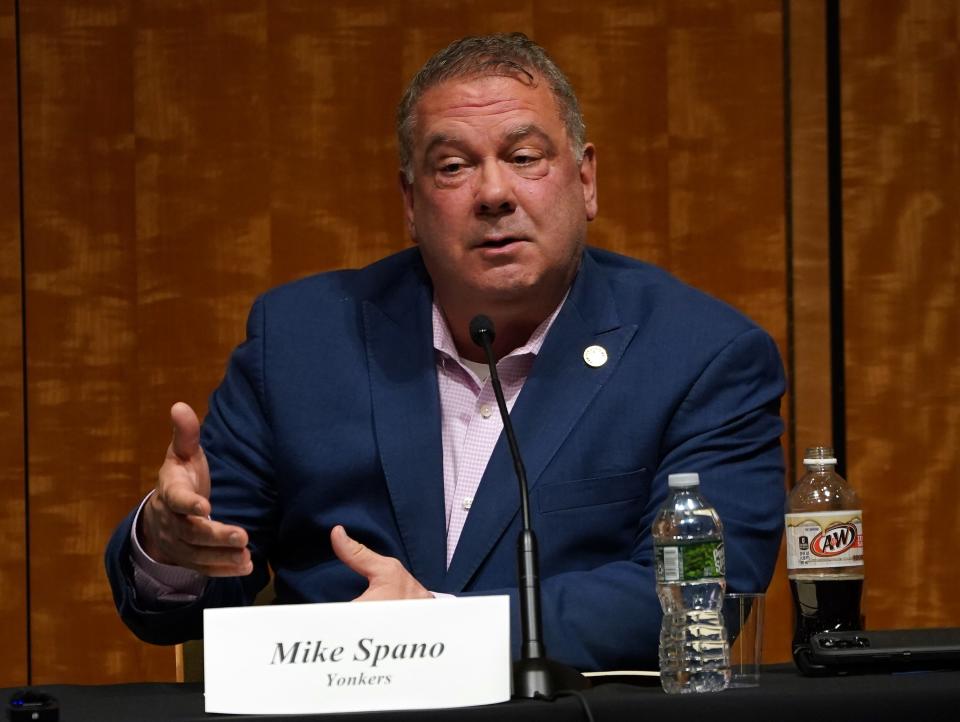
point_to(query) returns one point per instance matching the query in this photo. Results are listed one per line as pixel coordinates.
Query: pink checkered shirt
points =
(470, 421)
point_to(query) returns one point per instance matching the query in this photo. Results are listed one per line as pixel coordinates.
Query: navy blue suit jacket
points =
(329, 414)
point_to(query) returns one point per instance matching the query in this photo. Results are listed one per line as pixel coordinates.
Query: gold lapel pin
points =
(595, 356)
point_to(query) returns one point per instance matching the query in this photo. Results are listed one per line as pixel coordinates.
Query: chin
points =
(512, 290)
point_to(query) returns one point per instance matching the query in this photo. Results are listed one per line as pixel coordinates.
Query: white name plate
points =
(357, 657)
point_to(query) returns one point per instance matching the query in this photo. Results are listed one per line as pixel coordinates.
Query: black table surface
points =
(783, 694)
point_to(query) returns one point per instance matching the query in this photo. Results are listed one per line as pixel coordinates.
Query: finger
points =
(198, 557)
(354, 554)
(208, 560)
(186, 431)
(180, 497)
(199, 531)
(220, 570)
(227, 571)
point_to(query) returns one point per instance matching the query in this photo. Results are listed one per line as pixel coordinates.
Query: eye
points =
(524, 159)
(451, 165)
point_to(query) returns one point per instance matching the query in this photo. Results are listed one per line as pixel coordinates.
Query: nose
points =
(494, 194)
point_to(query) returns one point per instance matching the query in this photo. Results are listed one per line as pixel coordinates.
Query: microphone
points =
(534, 675)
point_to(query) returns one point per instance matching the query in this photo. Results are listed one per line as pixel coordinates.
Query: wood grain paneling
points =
(810, 232)
(901, 173)
(13, 536)
(81, 272)
(335, 71)
(201, 190)
(725, 100)
(184, 156)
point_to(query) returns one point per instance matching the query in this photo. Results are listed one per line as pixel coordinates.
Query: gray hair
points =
(507, 54)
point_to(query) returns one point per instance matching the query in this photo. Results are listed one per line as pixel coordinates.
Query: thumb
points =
(354, 554)
(186, 431)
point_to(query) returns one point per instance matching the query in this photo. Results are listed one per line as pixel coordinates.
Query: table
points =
(783, 695)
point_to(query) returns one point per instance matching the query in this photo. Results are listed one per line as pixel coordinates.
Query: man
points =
(353, 444)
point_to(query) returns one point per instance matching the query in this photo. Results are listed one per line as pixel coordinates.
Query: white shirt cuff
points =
(157, 583)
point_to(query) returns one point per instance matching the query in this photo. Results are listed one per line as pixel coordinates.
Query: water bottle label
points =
(816, 540)
(690, 562)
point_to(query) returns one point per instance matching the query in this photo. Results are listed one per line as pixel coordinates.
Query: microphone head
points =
(481, 327)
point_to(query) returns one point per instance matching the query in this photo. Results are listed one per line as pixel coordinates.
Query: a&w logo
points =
(834, 540)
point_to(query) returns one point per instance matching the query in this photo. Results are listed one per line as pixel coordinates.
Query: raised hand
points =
(174, 525)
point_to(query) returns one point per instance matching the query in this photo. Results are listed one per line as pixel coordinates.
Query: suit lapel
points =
(406, 415)
(560, 387)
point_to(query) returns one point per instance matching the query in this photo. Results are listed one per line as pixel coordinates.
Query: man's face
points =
(498, 203)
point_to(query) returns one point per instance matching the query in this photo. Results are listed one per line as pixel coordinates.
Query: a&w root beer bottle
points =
(824, 525)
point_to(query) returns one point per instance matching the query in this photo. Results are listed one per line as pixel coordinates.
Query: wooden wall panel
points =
(335, 72)
(901, 173)
(81, 273)
(725, 100)
(201, 190)
(184, 156)
(13, 537)
(810, 250)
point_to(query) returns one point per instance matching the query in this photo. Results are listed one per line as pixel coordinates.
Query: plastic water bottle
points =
(688, 547)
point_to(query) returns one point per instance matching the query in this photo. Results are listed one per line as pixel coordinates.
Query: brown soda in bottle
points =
(824, 530)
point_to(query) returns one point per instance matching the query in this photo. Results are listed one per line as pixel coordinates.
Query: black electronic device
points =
(28, 705)
(534, 674)
(880, 650)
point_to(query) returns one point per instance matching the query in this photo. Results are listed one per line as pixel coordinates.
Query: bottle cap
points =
(819, 462)
(683, 481)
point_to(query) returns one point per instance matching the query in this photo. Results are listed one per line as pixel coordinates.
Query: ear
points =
(588, 177)
(406, 190)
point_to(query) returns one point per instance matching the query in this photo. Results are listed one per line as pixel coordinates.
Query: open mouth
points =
(499, 242)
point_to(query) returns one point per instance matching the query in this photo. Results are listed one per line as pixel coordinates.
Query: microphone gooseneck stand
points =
(534, 675)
